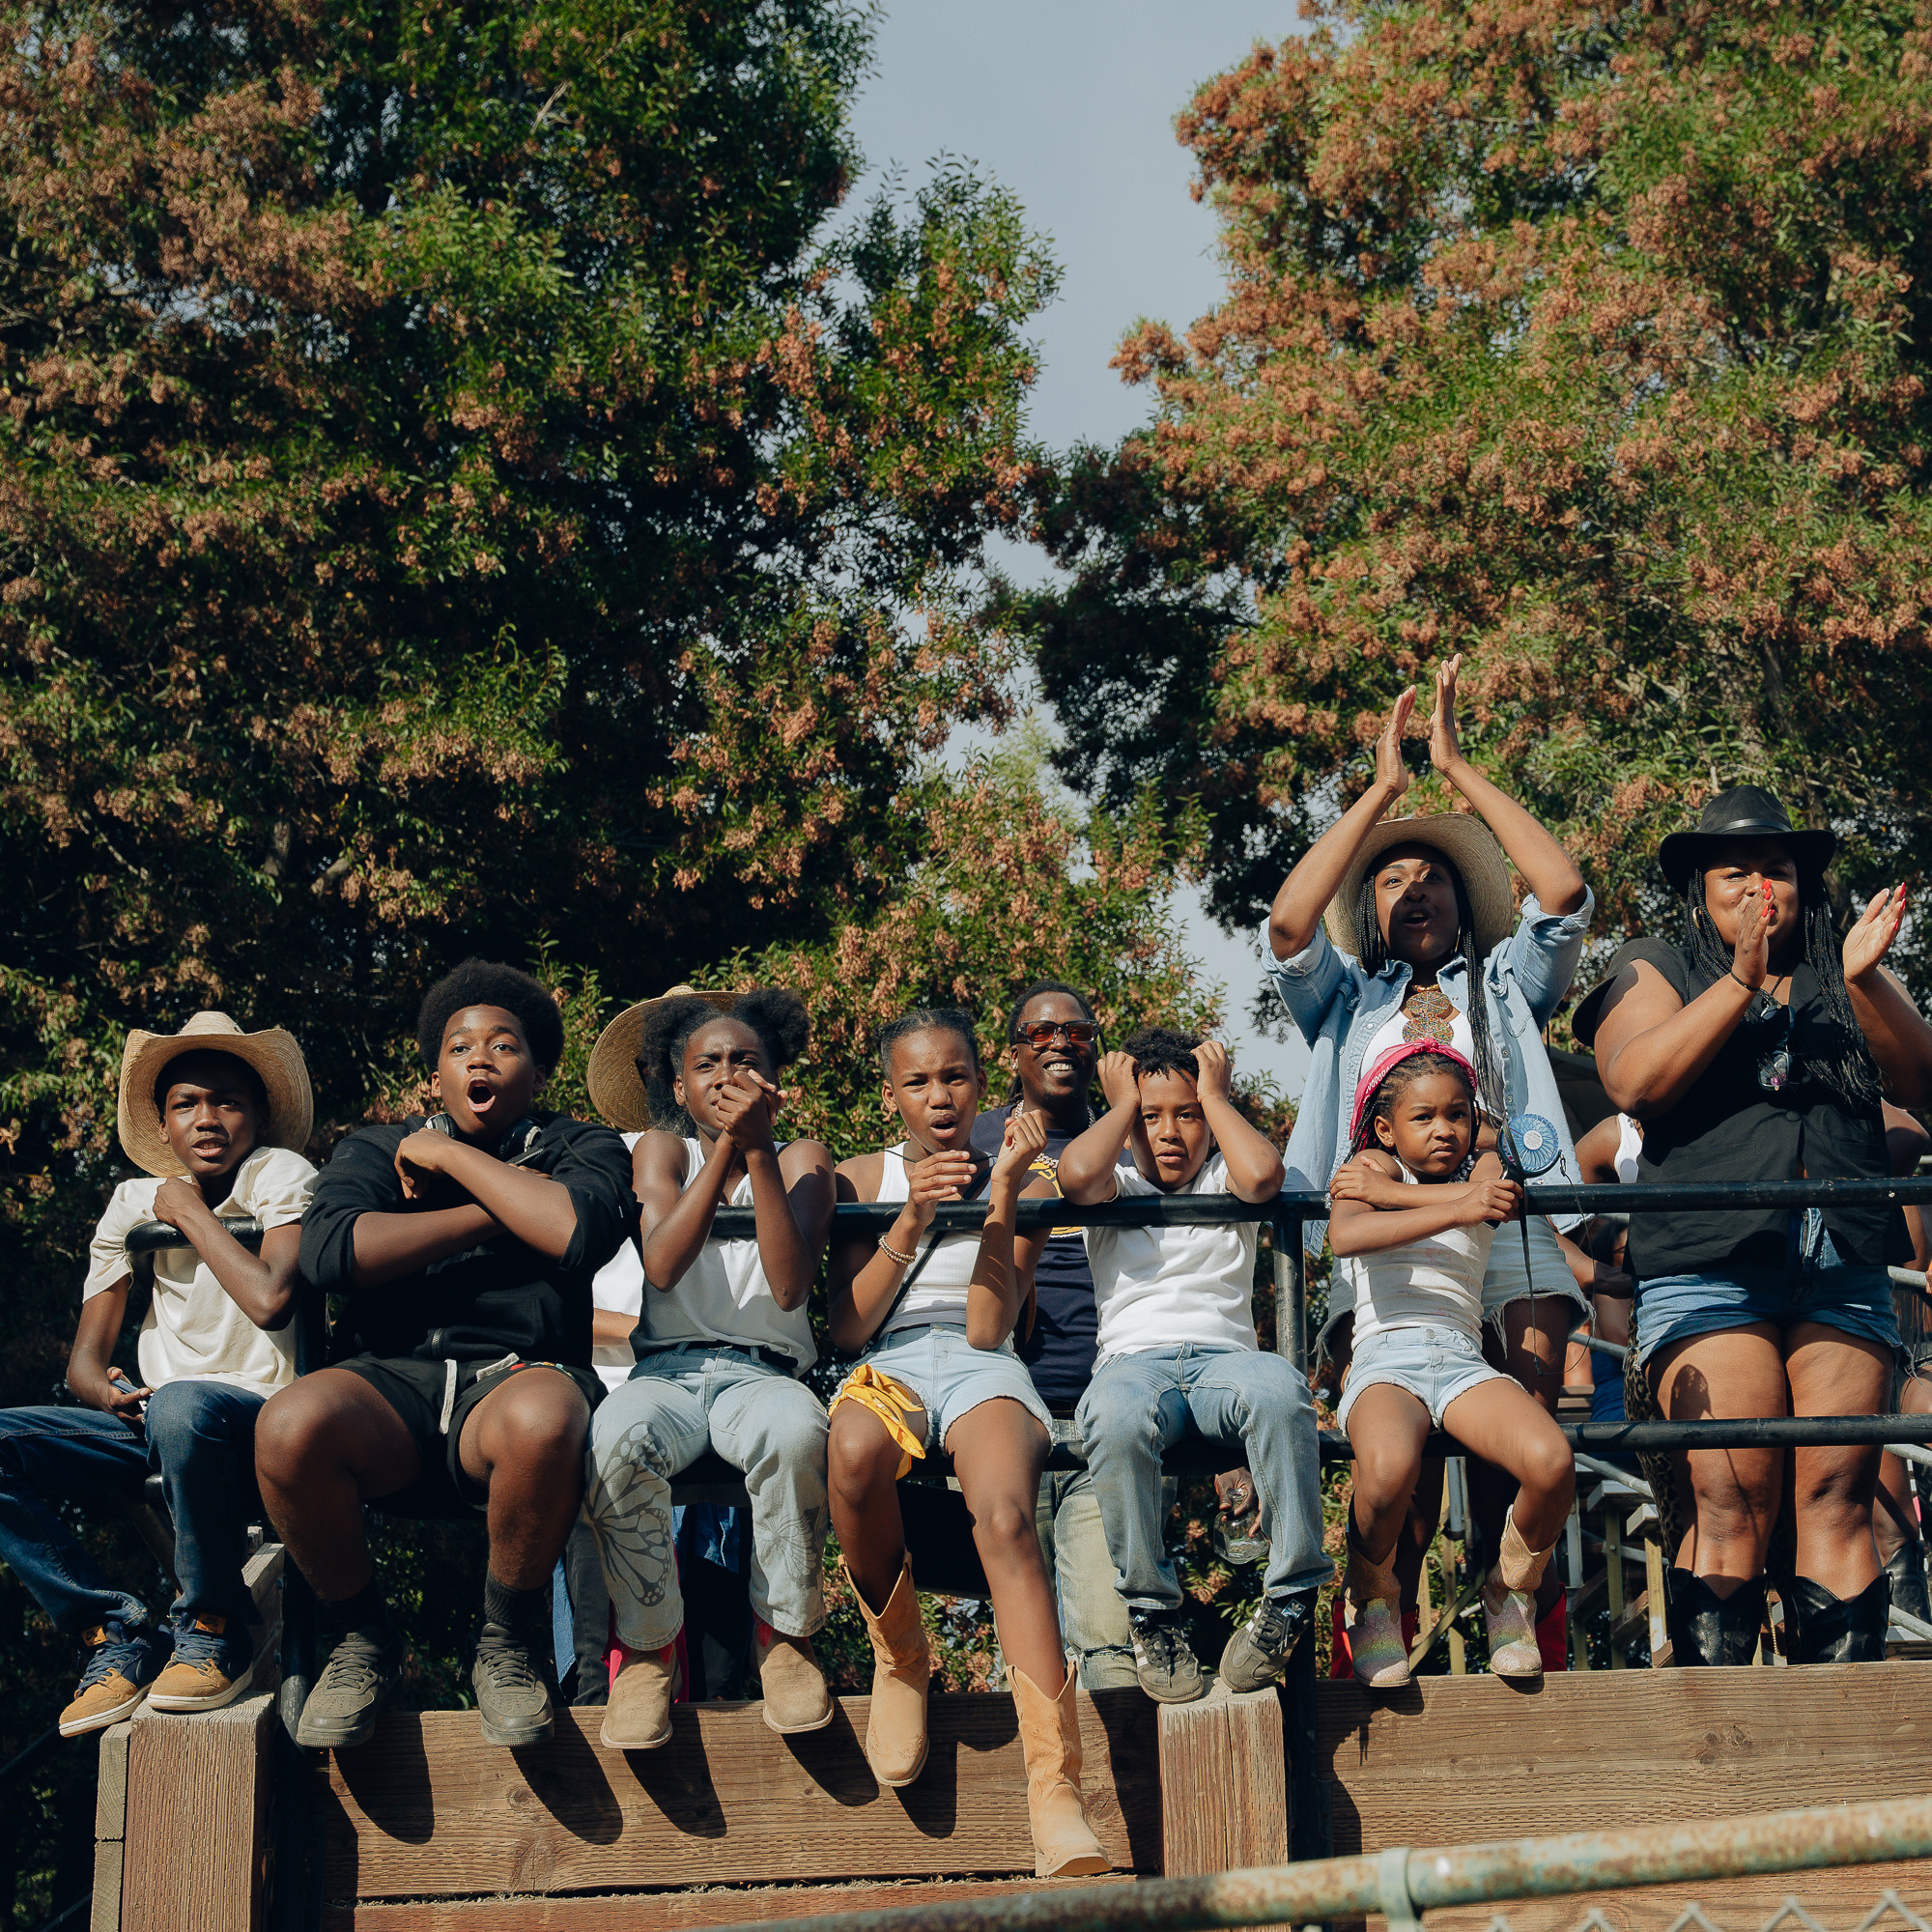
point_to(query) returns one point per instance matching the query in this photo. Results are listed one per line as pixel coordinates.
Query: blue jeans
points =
(200, 1435)
(1136, 1406)
(1092, 1615)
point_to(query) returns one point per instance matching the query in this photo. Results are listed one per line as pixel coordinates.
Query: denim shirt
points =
(1340, 1009)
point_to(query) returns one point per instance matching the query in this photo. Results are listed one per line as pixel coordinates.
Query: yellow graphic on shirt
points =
(1045, 1163)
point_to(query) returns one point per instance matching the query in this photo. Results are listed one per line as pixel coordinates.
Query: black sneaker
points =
(1258, 1652)
(1164, 1662)
(512, 1690)
(349, 1695)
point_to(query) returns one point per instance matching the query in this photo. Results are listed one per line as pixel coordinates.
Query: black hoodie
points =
(491, 1300)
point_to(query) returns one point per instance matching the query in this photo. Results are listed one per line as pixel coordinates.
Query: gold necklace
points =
(1429, 1014)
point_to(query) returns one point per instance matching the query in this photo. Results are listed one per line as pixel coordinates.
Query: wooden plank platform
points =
(1458, 1760)
(427, 1810)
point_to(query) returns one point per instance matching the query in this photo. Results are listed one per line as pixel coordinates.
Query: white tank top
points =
(724, 1295)
(1434, 1283)
(939, 1294)
(1630, 1145)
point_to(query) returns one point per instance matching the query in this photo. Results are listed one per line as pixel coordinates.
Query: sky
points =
(1070, 104)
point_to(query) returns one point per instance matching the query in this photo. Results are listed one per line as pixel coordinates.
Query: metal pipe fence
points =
(1401, 1883)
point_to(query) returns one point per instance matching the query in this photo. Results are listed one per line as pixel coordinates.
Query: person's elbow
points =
(275, 1307)
(986, 1327)
(1263, 1182)
(1083, 1190)
(1286, 936)
(1567, 894)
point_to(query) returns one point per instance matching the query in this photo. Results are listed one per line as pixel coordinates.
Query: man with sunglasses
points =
(1053, 1048)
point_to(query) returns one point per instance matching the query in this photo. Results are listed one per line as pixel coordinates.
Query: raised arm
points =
(1254, 1165)
(864, 1279)
(1894, 1029)
(1087, 1163)
(264, 1286)
(1318, 875)
(1354, 1227)
(1546, 869)
(996, 1292)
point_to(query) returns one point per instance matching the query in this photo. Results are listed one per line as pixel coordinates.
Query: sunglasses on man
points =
(1043, 1033)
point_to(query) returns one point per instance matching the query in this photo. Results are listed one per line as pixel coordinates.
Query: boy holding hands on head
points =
(1177, 1350)
(464, 1247)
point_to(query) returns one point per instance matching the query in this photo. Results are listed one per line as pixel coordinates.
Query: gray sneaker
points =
(512, 1690)
(349, 1695)
(1164, 1662)
(1259, 1650)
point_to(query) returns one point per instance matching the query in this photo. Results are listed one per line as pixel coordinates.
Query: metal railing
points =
(1399, 1884)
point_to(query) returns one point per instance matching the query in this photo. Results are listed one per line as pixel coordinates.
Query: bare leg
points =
(323, 1446)
(1736, 1371)
(524, 1441)
(998, 1450)
(1533, 1352)
(1513, 1433)
(861, 1465)
(1895, 1520)
(1386, 1426)
(1835, 1374)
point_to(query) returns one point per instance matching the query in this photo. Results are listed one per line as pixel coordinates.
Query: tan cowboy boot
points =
(1508, 1604)
(1063, 1844)
(638, 1717)
(1374, 1631)
(895, 1739)
(796, 1699)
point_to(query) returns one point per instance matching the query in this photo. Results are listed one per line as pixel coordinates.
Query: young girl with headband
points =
(1414, 1208)
(939, 1312)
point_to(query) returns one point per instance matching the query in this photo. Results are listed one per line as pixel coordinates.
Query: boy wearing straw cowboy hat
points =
(216, 1115)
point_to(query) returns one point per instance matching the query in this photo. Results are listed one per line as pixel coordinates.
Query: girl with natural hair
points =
(1422, 943)
(1415, 1207)
(721, 1339)
(1757, 1048)
(938, 1313)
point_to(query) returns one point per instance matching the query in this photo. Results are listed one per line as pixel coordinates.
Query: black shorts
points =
(433, 1400)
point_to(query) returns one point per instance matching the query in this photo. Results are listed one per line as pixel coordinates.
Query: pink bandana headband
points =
(1392, 1057)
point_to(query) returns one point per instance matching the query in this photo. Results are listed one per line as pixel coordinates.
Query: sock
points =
(523, 1611)
(365, 1610)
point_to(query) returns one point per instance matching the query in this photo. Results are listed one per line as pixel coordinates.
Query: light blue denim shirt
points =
(1340, 1009)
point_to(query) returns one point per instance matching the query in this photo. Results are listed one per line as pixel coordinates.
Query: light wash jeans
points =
(1093, 1619)
(679, 1404)
(1137, 1407)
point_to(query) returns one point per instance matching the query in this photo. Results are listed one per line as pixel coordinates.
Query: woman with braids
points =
(1758, 1048)
(1419, 917)
(720, 1344)
(935, 1314)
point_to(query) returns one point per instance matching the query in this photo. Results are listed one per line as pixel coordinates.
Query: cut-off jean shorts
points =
(1435, 1365)
(1813, 1284)
(951, 1376)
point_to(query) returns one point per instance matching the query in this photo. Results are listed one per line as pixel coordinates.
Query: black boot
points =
(1906, 1573)
(1707, 1629)
(1841, 1629)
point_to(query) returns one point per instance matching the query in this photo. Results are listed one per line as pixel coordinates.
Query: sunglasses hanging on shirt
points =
(1775, 1059)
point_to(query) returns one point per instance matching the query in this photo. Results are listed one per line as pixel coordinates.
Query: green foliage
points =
(1592, 344)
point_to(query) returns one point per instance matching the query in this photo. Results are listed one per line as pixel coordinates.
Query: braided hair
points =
(1395, 1082)
(925, 1019)
(1371, 950)
(1849, 1074)
(777, 1016)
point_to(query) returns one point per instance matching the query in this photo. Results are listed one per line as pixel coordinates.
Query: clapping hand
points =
(1751, 957)
(1391, 774)
(1444, 750)
(1870, 938)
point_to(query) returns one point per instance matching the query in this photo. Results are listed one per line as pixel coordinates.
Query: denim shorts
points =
(950, 1376)
(1813, 1285)
(1435, 1365)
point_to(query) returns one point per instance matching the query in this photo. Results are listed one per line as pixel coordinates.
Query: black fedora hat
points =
(1745, 811)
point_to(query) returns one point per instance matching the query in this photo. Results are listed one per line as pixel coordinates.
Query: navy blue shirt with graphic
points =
(1060, 1351)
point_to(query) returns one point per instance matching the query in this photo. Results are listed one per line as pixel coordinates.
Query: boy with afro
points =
(1178, 1352)
(462, 1248)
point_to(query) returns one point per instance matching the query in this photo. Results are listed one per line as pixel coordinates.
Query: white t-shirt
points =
(939, 1294)
(618, 1286)
(723, 1296)
(1157, 1287)
(193, 1328)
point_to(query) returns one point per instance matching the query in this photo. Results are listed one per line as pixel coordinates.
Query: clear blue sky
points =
(1070, 104)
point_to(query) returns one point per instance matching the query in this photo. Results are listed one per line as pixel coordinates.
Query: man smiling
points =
(464, 1247)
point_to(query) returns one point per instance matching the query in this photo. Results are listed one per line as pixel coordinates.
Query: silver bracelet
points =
(892, 1254)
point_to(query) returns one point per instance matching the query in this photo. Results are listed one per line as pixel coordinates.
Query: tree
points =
(1590, 342)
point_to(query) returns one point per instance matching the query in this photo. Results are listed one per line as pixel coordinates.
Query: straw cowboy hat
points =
(1466, 841)
(616, 1087)
(274, 1054)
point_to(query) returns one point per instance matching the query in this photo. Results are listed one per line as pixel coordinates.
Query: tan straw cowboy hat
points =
(616, 1087)
(274, 1054)
(1466, 841)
